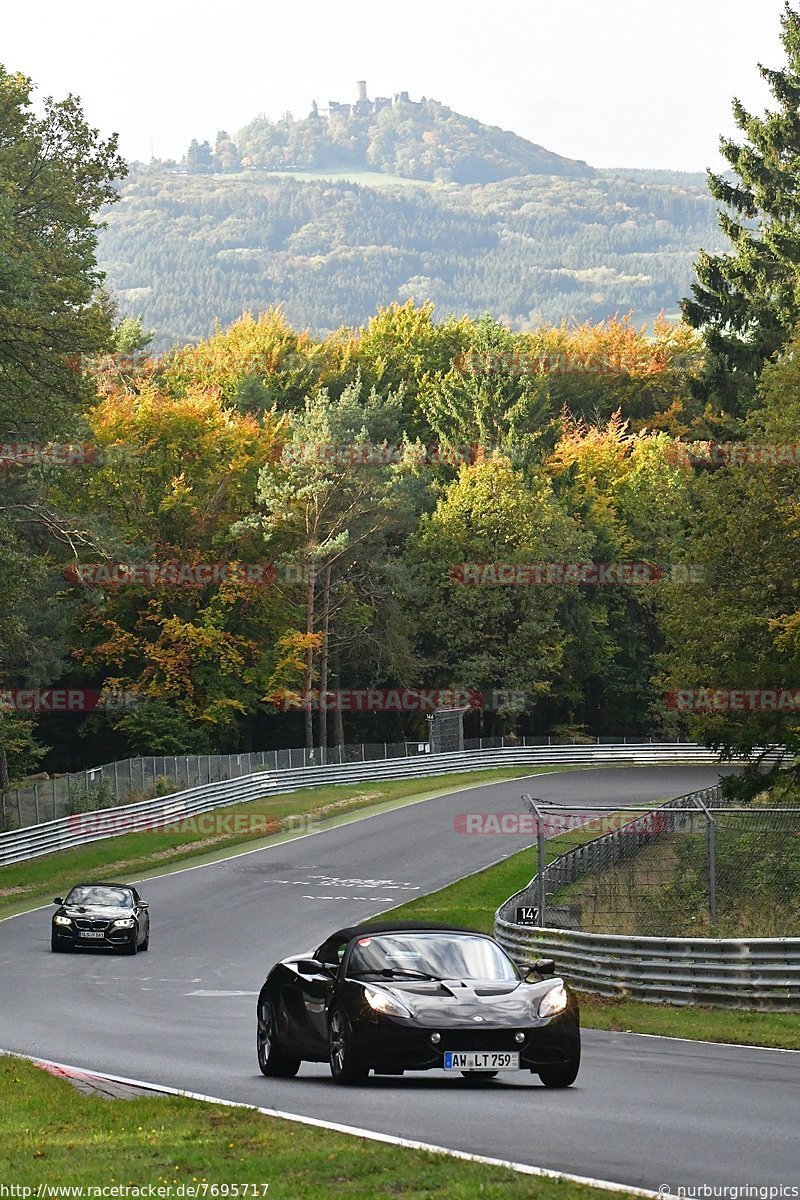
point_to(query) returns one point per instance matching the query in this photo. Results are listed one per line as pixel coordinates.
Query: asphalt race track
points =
(644, 1111)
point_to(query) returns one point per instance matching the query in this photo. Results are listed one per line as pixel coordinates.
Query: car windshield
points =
(430, 955)
(110, 897)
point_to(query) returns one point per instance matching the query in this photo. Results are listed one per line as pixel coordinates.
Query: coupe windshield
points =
(430, 955)
(106, 897)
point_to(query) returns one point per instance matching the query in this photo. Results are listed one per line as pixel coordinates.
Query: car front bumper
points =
(391, 1044)
(111, 939)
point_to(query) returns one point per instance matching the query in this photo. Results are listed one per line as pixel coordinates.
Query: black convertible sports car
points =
(110, 915)
(415, 997)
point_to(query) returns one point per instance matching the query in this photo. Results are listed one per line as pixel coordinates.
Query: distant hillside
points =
(424, 140)
(187, 250)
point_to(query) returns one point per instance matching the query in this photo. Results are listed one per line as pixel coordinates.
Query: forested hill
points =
(424, 140)
(188, 250)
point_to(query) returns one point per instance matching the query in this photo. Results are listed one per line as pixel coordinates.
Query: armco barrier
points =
(747, 973)
(66, 832)
(752, 973)
(131, 779)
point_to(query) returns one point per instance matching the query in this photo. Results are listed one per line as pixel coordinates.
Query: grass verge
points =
(53, 1135)
(474, 900)
(237, 827)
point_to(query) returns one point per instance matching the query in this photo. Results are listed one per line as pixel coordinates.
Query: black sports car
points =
(110, 915)
(415, 997)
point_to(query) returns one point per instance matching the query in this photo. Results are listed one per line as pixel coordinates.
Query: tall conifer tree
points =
(747, 301)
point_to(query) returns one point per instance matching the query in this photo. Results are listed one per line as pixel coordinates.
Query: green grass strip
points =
(54, 1135)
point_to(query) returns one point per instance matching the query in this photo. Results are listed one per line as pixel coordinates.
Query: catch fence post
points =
(711, 826)
(712, 870)
(541, 859)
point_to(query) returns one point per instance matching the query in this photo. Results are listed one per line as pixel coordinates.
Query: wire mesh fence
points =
(127, 780)
(131, 779)
(694, 868)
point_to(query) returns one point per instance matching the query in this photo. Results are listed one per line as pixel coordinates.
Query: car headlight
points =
(62, 920)
(383, 1002)
(554, 1001)
(124, 923)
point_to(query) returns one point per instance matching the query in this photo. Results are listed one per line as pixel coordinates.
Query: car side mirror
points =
(143, 904)
(58, 900)
(542, 966)
(310, 966)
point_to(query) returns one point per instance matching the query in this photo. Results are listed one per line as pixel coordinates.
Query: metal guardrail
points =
(748, 973)
(131, 779)
(67, 832)
(751, 973)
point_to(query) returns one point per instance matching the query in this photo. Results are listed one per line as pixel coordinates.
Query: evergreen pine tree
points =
(747, 301)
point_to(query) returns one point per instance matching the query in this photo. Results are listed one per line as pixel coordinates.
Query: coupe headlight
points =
(124, 923)
(554, 1001)
(62, 920)
(383, 1003)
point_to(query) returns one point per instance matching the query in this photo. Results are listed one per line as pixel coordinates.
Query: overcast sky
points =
(622, 83)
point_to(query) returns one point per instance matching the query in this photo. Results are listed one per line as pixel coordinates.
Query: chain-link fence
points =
(693, 868)
(131, 779)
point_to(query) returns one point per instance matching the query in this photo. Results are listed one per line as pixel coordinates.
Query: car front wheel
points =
(561, 1076)
(272, 1060)
(346, 1066)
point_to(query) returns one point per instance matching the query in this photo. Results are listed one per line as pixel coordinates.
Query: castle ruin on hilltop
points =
(362, 106)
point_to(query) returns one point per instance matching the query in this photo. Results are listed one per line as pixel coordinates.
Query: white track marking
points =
(369, 1134)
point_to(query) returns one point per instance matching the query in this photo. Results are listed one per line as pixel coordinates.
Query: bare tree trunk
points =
(309, 679)
(338, 722)
(323, 663)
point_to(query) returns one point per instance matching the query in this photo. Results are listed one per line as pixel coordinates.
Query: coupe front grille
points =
(97, 926)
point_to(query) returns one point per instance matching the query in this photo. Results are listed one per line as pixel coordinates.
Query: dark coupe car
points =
(416, 997)
(109, 915)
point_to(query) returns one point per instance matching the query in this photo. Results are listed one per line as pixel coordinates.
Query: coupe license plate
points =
(87, 933)
(481, 1060)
